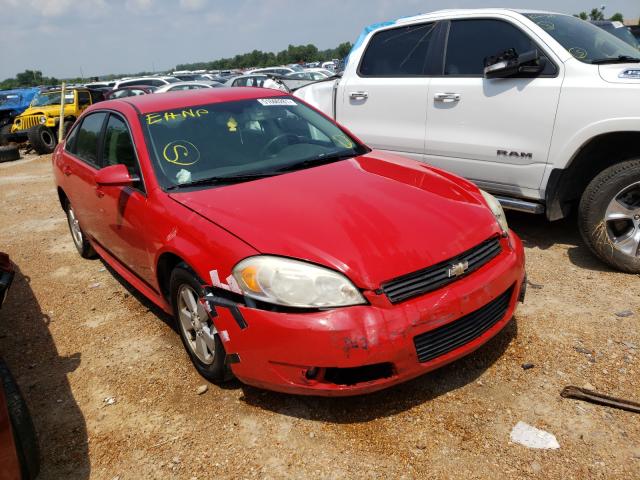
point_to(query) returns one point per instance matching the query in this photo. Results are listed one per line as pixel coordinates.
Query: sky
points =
(70, 38)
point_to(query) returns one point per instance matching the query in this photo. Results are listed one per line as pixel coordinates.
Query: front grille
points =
(29, 121)
(441, 340)
(437, 276)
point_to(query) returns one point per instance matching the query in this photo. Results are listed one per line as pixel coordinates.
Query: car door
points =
(496, 132)
(384, 100)
(123, 210)
(80, 163)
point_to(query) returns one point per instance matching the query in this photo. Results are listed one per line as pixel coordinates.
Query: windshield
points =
(265, 136)
(584, 41)
(43, 99)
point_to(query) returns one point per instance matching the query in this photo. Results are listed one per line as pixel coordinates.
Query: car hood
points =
(373, 217)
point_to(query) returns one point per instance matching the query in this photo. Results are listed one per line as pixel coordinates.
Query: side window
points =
(471, 41)
(118, 146)
(399, 52)
(155, 83)
(84, 99)
(240, 82)
(70, 141)
(86, 147)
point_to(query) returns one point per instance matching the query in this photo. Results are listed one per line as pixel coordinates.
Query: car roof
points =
(190, 98)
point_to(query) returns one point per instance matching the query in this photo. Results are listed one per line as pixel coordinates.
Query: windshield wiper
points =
(225, 180)
(618, 59)
(316, 161)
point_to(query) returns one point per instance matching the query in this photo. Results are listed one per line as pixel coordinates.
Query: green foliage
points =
(28, 78)
(582, 16)
(257, 58)
(596, 14)
(617, 17)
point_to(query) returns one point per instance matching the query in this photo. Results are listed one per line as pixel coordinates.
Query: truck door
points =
(496, 132)
(383, 99)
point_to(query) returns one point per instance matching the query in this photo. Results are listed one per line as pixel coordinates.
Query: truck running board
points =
(520, 205)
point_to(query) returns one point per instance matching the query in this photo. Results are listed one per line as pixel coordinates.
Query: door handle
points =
(359, 95)
(447, 97)
(66, 171)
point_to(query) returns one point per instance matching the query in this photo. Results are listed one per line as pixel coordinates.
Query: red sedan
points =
(290, 254)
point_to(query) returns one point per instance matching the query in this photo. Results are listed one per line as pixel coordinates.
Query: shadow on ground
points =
(537, 232)
(390, 401)
(30, 352)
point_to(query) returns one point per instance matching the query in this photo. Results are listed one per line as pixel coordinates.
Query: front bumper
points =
(361, 349)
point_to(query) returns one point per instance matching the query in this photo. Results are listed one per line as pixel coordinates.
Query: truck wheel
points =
(5, 131)
(197, 331)
(9, 153)
(42, 139)
(24, 434)
(609, 216)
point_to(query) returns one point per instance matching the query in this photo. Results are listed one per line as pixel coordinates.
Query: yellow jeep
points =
(39, 123)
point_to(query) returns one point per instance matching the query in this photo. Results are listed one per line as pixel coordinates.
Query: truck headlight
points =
(497, 210)
(294, 283)
(43, 119)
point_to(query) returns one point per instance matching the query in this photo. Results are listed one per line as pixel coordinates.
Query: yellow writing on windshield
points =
(153, 118)
(181, 152)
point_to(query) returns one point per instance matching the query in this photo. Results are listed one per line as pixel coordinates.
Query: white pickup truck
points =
(541, 109)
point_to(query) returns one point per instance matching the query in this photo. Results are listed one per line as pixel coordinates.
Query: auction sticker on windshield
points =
(270, 102)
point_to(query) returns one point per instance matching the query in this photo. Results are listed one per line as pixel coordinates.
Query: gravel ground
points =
(113, 394)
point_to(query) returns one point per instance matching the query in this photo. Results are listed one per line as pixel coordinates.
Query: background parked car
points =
(12, 104)
(272, 70)
(256, 80)
(132, 91)
(151, 81)
(175, 87)
(39, 123)
(619, 30)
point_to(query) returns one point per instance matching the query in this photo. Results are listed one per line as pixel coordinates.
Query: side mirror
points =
(115, 176)
(509, 64)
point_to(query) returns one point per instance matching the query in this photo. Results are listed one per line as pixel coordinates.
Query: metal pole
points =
(61, 122)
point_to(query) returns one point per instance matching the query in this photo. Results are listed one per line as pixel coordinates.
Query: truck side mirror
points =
(509, 63)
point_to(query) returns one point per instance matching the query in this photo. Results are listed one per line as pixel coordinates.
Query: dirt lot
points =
(74, 335)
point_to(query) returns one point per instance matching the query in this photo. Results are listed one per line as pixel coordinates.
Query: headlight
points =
(497, 210)
(43, 119)
(294, 283)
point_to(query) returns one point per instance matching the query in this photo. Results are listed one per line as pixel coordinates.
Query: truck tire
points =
(609, 216)
(42, 139)
(5, 131)
(9, 153)
(24, 433)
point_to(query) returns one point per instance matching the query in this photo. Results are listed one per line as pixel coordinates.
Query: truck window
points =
(471, 41)
(398, 52)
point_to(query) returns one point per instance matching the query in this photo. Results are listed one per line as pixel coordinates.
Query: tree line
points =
(257, 58)
(598, 14)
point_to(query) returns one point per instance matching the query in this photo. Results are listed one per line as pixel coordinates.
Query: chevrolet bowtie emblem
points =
(458, 269)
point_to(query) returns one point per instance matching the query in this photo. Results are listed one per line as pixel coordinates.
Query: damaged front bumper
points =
(361, 349)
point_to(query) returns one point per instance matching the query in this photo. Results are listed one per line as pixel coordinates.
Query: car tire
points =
(609, 216)
(5, 131)
(200, 335)
(42, 139)
(9, 153)
(24, 434)
(78, 236)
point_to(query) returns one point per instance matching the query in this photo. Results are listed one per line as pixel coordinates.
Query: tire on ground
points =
(5, 130)
(9, 153)
(217, 371)
(81, 243)
(42, 139)
(593, 206)
(24, 433)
